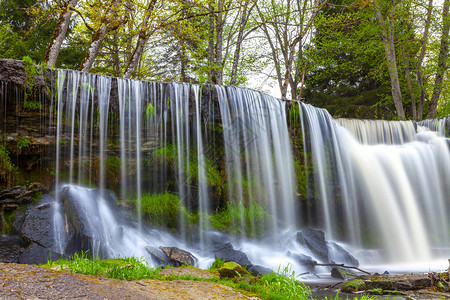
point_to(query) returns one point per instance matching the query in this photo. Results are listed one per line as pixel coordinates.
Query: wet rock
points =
(342, 273)
(383, 284)
(158, 255)
(178, 257)
(354, 286)
(375, 292)
(232, 270)
(304, 260)
(314, 240)
(338, 254)
(11, 199)
(35, 254)
(10, 248)
(227, 253)
(37, 224)
(257, 270)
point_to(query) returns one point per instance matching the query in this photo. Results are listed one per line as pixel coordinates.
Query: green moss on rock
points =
(354, 286)
(232, 269)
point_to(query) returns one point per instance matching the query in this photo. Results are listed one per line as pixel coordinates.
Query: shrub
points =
(161, 209)
(23, 143)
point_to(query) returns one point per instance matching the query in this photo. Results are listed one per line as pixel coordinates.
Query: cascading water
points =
(398, 191)
(227, 149)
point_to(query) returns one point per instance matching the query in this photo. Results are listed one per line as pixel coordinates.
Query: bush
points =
(161, 209)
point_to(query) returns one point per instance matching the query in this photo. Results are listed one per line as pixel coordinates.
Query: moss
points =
(8, 220)
(23, 143)
(231, 270)
(354, 286)
(8, 170)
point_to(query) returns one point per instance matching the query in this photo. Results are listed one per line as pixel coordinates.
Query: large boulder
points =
(10, 248)
(338, 254)
(158, 255)
(178, 257)
(343, 273)
(227, 253)
(11, 199)
(257, 270)
(314, 240)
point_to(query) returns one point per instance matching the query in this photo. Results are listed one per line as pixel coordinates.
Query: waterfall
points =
(227, 150)
(390, 180)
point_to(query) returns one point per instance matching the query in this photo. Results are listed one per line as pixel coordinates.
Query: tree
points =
(442, 61)
(59, 32)
(110, 20)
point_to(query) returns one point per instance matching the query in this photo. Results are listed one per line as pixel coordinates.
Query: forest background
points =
(360, 59)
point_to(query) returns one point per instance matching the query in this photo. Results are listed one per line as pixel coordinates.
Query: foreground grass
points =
(270, 286)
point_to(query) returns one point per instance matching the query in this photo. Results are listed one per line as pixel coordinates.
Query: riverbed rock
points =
(157, 255)
(227, 253)
(12, 198)
(232, 270)
(338, 254)
(343, 273)
(314, 240)
(178, 257)
(354, 286)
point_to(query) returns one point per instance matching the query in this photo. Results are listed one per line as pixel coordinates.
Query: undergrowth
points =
(281, 285)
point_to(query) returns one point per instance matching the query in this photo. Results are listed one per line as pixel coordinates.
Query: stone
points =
(10, 248)
(178, 257)
(375, 292)
(227, 253)
(339, 255)
(354, 286)
(257, 270)
(231, 270)
(36, 254)
(314, 240)
(342, 273)
(306, 261)
(383, 284)
(158, 255)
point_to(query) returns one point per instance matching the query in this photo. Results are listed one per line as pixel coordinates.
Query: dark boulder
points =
(178, 257)
(227, 253)
(314, 240)
(304, 260)
(158, 255)
(10, 248)
(36, 254)
(257, 270)
(339, 255)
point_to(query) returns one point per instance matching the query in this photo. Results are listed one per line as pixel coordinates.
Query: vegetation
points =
(7, 169)
(161, 209)
(378, 59)
(23, 143)
(270, 286)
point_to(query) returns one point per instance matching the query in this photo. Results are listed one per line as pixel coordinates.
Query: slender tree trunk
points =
(142, 40)
(219, 43)
(59, 33)
(240, 39)
(410, 89)
(424, 42)
(442, 66)
(211, 31)
(389, 48)
(115, 56)
(108, 24)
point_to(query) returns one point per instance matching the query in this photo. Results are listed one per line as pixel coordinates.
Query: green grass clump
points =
(23, 143)
(255, 219)
(130, 268)
(161, 209)
(7, 169)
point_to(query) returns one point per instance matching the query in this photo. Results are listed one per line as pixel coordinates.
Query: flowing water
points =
(379, 185)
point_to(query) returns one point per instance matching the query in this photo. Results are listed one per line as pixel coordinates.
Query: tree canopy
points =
(364, 58)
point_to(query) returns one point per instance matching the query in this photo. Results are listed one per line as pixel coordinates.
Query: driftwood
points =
(342, 266)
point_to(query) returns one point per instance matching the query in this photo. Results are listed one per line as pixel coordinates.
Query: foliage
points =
(32, 105)
(7, 219)
(130, 268)
(217, 263)
(253, 221)
(161, 209)
(7, 169)
(23, 143)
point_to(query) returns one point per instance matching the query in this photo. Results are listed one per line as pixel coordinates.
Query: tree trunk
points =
(211, 31)
(105, 28)
(424, 42)
(219, 43)
(59, 33)
(140, 45)
(442, 66)
(389, 48)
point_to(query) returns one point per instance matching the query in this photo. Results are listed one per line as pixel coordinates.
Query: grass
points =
(161, 209)
(272, 286)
